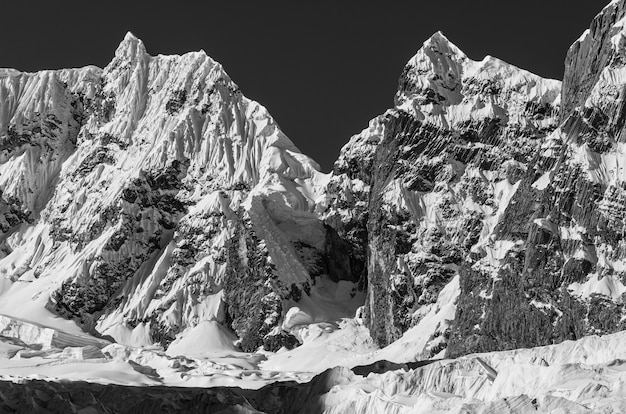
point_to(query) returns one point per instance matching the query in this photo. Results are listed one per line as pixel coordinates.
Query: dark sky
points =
(322, 68)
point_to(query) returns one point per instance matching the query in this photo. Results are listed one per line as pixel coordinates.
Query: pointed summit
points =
(438, 54)
(437, 66)
(130, 53)
(438, 39)
(130, 36)
(438, 42)
(131, 47)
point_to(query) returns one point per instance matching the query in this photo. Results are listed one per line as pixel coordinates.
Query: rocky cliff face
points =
(499, 184)
(562, 277)
(436, 175)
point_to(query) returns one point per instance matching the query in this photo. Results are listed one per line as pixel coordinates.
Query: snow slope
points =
(575, 376)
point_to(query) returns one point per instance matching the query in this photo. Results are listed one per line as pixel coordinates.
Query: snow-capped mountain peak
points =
(438, 48)
(144, 158)
(130, 48)
(444, 87)
(436, 67)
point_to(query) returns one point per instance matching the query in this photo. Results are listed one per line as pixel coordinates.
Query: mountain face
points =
(144, 198)
(432, 179)
(502, 187)
(484, 212)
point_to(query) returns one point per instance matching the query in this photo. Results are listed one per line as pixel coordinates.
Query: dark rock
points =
(176, 102)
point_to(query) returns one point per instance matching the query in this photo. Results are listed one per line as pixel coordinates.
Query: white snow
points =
(582, 376)
(607, 168)
(607, 285)
(206, 338)
(442, 67)
(557, 377)
(584, 35)
(543, 181)
(573, 232)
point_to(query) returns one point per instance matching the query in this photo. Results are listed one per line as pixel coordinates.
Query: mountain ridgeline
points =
(486, 209)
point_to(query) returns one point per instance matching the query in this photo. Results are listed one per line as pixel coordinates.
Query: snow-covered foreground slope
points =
(581, 376)
(573, 377)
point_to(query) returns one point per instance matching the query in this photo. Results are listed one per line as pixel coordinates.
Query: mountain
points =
(498, 187)
(158, 228)
(144, 198)
(433, 178)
